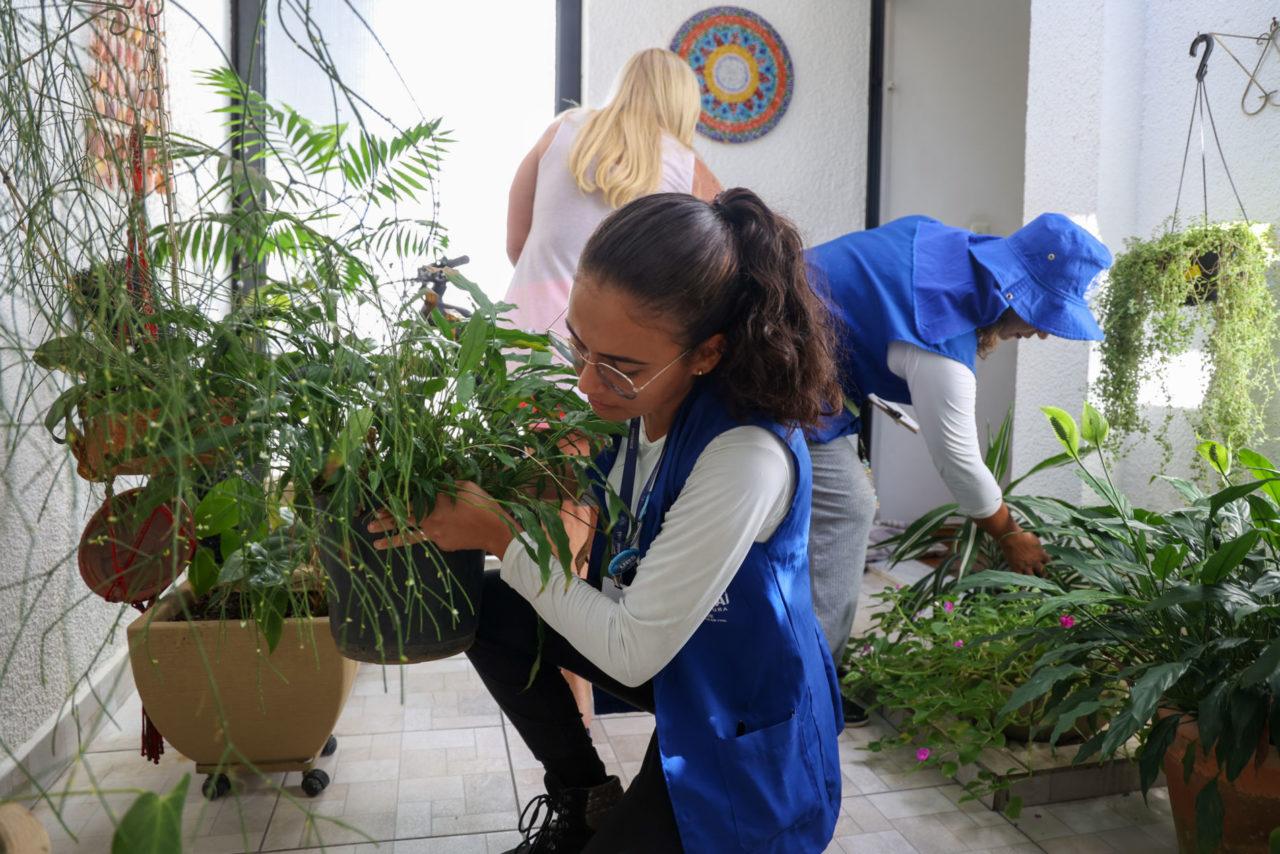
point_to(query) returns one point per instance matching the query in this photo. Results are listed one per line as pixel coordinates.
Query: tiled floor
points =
(427, 765)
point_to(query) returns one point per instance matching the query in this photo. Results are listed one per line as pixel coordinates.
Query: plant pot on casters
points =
(222, 700)
(402, 605)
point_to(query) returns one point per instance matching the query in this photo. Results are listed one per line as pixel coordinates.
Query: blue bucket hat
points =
(1042, 271)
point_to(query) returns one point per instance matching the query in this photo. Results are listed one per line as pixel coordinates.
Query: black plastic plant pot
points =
(403, 605)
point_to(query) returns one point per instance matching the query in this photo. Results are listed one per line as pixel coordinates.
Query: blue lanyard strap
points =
(621, 536)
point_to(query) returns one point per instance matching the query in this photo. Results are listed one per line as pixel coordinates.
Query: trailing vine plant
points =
(1203, 283)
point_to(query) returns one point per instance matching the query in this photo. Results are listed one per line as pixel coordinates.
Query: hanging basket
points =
(130, 554)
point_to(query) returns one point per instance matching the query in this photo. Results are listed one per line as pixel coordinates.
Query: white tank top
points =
(563, 219)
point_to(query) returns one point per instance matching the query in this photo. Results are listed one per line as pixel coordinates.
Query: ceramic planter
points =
(403, 605)
(211, 686)
(1251, 802)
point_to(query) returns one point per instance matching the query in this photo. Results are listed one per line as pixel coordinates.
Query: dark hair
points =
(732, 267)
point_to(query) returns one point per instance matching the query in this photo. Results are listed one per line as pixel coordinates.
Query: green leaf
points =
(1151, 759)
(1169, 558)
(1267, 665)
(1248, 716)
(1233, 493)
(1093, 427)
(1013, 810)
(1217, 455)
(1064, 427)
(466, 388)
(1274, 841)
(471, 348)
(153, 824)
(268, 612)
(1261, 468)
(1040, 683)
(1228, 556)
(1209, 818)
(1144, 696)
(217, 512)
(203, 573)
(1001, 578)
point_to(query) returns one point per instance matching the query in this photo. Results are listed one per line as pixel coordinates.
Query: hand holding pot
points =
(471, 520)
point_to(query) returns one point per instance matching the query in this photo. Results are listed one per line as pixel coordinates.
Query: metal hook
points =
(1207, 40)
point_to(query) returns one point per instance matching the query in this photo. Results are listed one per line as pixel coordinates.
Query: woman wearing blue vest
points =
(695, 324)
(917, 303)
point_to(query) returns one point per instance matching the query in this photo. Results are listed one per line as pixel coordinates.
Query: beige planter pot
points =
(21, 832)
(215, 694)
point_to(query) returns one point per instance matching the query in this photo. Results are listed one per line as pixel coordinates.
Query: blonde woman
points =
(590, 162)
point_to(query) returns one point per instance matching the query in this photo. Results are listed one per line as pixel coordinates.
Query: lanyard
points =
(622, 537)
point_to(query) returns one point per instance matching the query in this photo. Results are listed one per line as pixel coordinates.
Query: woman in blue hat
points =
(695, 325)
(919, 303)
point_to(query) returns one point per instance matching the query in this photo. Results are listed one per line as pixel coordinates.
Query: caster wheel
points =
(330, 746)
(314, 782)
(215, 786)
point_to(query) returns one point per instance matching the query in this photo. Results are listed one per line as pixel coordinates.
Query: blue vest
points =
(867, 279)
(748, 711)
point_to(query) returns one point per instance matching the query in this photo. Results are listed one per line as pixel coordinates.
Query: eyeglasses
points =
(614, 380)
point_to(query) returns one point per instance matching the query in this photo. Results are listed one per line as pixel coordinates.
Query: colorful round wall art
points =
(743, 68)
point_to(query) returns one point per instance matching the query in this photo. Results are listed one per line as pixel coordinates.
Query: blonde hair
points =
(619, 149)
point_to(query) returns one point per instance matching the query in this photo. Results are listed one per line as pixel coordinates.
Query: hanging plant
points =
(1207, 282)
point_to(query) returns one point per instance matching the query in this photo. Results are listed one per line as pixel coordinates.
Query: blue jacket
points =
(868, 280)
(748, 711)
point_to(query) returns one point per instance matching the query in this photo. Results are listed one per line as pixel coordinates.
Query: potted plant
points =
(394, 427)
(963, 547)
(1184, 608)
(1203, 283)
(943, 675)
(236, 668)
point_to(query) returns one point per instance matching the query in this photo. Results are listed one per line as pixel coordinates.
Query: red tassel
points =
(152, 740)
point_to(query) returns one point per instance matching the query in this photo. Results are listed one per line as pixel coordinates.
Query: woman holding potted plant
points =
(695, 323)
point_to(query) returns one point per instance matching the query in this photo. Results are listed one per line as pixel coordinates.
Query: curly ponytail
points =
(732, 267)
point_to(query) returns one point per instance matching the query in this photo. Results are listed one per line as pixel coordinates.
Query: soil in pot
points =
(403, 605)
(1251, 802)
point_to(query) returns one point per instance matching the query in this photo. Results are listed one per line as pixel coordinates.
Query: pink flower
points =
(922, 754)
(958, 644)
(866, 649)
(948, 606)
(1067, 621)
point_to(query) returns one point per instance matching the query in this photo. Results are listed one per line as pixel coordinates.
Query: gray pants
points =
(844, 505)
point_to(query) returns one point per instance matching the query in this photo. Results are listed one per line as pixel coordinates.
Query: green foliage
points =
(964, 547)
(1148, 323)
(1184, 609)
(153, 823)
(956, 672)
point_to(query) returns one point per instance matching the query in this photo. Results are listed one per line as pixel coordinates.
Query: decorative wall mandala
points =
(743, 68)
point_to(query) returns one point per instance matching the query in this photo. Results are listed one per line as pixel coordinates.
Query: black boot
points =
(563, 820)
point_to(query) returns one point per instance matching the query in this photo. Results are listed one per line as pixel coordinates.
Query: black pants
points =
(547, 718)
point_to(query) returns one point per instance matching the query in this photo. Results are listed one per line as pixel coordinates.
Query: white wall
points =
(487, 69)
(44, 506)
(812, 165)
(1110, 93)
(954, 124)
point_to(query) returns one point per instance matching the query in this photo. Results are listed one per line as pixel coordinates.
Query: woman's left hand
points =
(472, 520)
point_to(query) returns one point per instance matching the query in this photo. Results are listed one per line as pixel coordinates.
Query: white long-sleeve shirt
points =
(943, 393)
(737, 494)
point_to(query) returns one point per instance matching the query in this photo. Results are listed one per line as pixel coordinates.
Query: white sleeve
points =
(738, 492)
(943, 393)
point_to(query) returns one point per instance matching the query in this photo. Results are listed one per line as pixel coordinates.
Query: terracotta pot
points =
(113, 444)
(1251, 802)
(211, 685)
